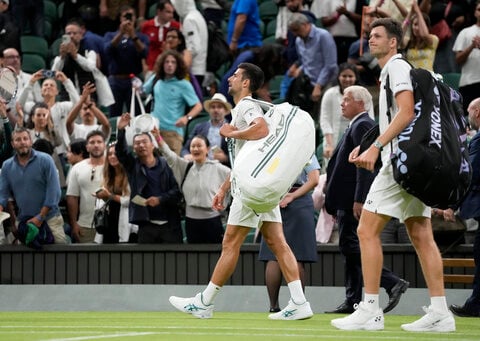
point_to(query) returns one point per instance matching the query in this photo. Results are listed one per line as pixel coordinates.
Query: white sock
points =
(296, 292)
(210, 292)
(371, 302)
(439, 304)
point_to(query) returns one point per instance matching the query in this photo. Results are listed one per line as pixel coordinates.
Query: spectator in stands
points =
(172, 95)
(175, 40)
(291, 56)
(422, 45)
(40, 126)
(153, 184)
(11, 58)
(332, 122)
(77, 151)
(111, 12)
(81, 65)
(297, 212)
(317, 64)
(467, 54)
(194, 28)
(92, 118)
(58, 109)
(390, 9)
(124, 50)
(268, 57)
(31, 179)
(244, 26)
(455, 13)
(470, 208)
(84, 179)
(199, 179)
(29, 14)
(217, 107)
(88, 11)
(116, 194)
(347, 188)
(156, 30)
(343, 20)
(9, 31)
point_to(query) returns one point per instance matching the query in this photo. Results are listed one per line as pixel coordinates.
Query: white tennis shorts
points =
(241, 215)
(387, 197)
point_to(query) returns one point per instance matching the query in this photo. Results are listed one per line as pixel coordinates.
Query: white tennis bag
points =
(265, 169)
(144, 123)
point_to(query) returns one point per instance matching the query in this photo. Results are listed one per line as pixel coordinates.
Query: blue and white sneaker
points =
(293, 312)
(192, 305)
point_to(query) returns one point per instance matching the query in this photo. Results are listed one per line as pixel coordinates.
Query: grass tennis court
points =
(76, 326)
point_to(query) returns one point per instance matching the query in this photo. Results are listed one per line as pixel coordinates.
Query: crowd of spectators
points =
(80, 105)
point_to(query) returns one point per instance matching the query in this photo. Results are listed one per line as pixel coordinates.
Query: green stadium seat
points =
(31, 63)
(152, 10)
(34, 45)
(269, 40)
(50, 11)
(268, 11)
(55, 48)
(60, 8)
(270, 28)
(451, 79)
(274, 86)
(204, 116)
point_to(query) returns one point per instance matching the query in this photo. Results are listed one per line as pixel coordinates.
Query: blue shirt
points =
(312, 165)
(171, 97)
(251, 35)
(33, 186)
(124, 58)
(318, 56)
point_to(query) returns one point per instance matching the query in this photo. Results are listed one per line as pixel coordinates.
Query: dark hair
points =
(182, 46)
(95, 133)
(202, 137)
(254, 74)
(161, 4)
(76, 21)
(180, 72)
(392, 27)
(39, 105)
(346, 66)
(79, 147)
(143, 133)
(43, 145)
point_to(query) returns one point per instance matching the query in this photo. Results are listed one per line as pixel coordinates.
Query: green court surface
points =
(75, 326)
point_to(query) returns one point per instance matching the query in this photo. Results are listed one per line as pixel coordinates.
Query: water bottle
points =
(136, 83)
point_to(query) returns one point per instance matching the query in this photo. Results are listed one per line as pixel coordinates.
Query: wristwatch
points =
(378, 145)
(189, 117)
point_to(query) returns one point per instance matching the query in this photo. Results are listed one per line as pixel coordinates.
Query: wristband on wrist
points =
(39, 217)
(234, 40)
(159, 138)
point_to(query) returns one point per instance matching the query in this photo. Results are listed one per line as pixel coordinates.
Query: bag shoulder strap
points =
(189, 165)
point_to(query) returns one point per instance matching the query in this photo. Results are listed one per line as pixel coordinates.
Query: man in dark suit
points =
(346, 190)
(471, 209)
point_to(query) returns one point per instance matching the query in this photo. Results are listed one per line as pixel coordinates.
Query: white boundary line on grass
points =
(93, 337)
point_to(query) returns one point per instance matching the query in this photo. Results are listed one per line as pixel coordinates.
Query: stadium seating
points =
(268, 11)
(34, 45)
(452, 79)
(32, 63)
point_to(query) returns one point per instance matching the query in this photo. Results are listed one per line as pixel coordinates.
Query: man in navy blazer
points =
(471, 209)
(218, 107)
(346, 190)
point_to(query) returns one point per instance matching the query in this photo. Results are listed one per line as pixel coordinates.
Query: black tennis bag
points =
(432, 161)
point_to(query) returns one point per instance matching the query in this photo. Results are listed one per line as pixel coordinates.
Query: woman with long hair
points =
(40, 126)
(332, 123)
(116, 194)
(422, 45)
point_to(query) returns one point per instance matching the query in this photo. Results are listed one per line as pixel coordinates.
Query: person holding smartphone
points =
(124, 49)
